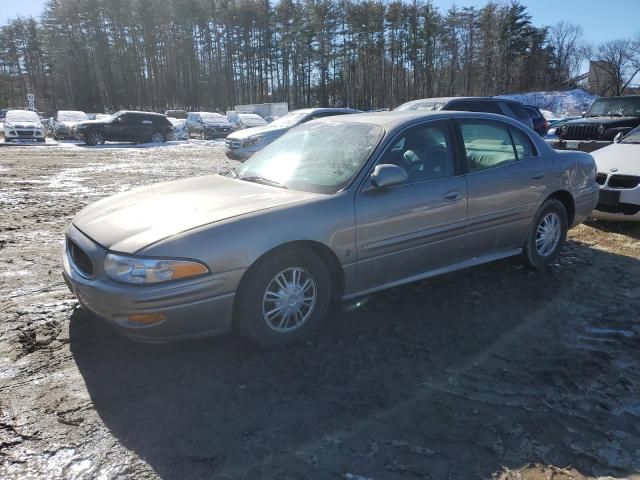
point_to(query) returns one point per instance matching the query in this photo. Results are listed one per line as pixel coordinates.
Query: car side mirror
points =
(584, 113)
(618, 137)
(388, 175)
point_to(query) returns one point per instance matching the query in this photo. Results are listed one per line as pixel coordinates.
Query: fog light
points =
(147, 318)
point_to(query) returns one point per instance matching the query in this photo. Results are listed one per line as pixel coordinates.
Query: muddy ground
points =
(494, 372)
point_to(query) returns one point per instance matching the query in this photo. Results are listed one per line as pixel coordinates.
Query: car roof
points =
(326, 110)
(484, 99)
(395, 119)
(142, 113)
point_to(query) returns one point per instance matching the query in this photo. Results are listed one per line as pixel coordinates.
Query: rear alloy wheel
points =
(158, 138)
(95, 137)
(547, 235)
(285, 298)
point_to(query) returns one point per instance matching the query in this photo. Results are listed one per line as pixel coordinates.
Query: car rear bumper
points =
(585, 201)
(196, 308)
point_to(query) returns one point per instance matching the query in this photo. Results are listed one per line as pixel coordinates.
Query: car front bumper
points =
(24, 134)
(618, 205)
(191, 308)
(236, 151)
(581, 145)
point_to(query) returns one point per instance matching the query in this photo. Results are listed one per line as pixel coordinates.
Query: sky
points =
(601, 20)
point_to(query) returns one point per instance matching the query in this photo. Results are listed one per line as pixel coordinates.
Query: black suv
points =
(501, 106)
(540, 124)
(606, 117)
(125, 126)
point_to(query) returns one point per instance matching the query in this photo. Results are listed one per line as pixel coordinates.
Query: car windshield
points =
(251, 119)
(615, 106)
(71, 116)
(115, 115)
(289, 120)
(21, 116)
(316, 157)
(429, 104)
(632, 137)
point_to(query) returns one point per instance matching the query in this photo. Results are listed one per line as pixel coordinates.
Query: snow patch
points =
(558, 104)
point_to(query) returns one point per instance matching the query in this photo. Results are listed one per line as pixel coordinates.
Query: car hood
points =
(217, 123)
(69, 123)
(23, 124)
(89, 123)
(624, 157)
(138, 218)
(250, 132)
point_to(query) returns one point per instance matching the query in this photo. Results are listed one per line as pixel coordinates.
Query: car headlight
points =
(8, 125)
(601, 129)
(141, 270)
(252, 141)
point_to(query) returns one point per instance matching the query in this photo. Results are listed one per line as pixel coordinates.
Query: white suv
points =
(23, 125)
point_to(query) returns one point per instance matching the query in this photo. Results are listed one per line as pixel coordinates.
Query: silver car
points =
(244, 143)
(335, 209)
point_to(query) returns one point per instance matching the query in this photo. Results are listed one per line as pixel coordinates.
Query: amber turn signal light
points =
(147, 318)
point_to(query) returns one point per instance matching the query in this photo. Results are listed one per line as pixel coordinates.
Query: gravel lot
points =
(494, 372)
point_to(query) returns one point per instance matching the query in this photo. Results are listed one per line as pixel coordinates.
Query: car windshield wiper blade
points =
(262, 180)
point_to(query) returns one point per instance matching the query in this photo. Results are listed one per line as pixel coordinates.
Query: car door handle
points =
(538, 176)
(452, 195)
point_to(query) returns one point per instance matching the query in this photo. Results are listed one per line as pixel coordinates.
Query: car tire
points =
(284, 299)
(7, 140)
(40, 140)
(158, 137)
(547, 235)
(95, 137)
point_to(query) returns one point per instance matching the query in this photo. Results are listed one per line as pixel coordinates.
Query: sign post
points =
(31, 100)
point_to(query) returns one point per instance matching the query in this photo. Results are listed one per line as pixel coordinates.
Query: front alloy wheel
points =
(158, 138)
(284, 298)
(289, 300)
(95, 138)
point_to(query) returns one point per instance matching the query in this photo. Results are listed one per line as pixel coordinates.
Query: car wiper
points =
(263, 181)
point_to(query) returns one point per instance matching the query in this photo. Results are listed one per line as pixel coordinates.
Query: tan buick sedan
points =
(334, 209)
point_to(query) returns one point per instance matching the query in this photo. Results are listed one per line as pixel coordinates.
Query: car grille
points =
(25, 133)
(601, 178)
(581, 132)
(80, 259)
(233, 143)
(624, 181)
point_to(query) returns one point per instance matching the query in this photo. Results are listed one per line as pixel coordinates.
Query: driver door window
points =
(425, 152)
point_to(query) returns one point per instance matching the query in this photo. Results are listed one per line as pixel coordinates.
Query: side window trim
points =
(534, 150)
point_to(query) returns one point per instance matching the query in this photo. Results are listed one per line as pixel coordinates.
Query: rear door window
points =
(487, 144)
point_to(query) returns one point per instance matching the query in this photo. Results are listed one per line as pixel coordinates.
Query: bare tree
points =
(620, 60)
(566, 40)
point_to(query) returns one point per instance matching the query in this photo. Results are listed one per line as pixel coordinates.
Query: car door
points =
(506, 178)
(118, 129)
(144, 127)
(409, 229)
